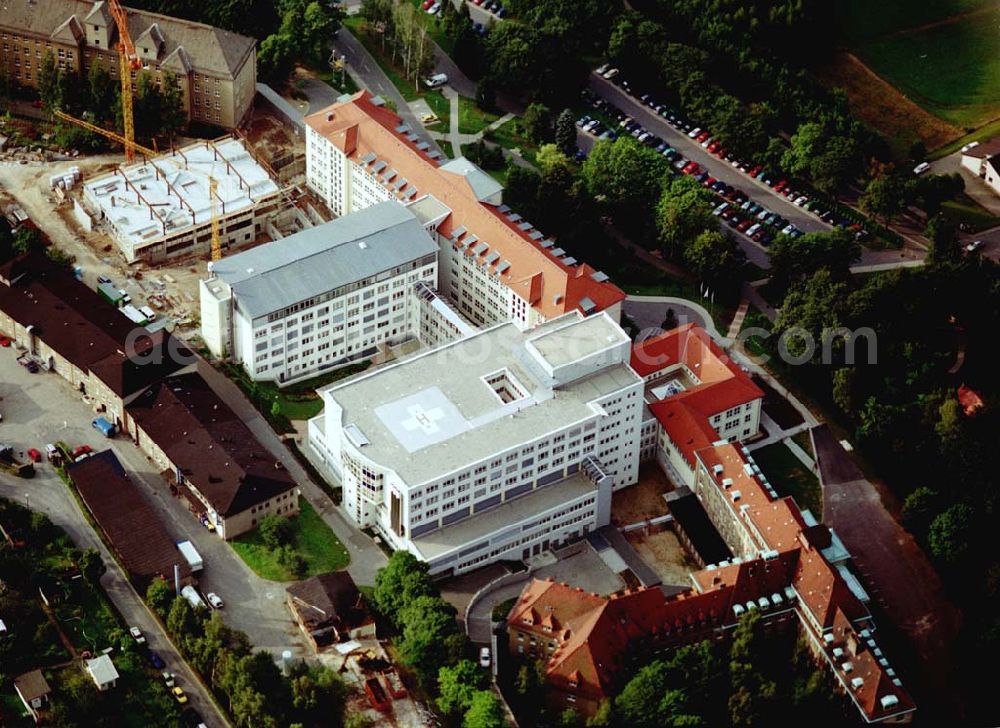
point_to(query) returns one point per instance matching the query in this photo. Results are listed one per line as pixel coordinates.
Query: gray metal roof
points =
(483, 186)
(275, 275)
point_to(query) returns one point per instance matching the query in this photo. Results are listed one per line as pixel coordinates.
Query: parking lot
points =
(719, 169)
(42, 408)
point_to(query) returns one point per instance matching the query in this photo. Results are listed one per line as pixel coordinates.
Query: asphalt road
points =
(34, 407)
(367, 74)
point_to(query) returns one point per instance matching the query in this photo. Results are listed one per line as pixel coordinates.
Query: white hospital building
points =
(323, 297)
(494, 265)
(498, 445)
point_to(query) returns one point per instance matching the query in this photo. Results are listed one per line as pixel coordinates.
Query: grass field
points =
(863, 20)
(952, 69)
(788, 476)
(472, 119)
(311, 538)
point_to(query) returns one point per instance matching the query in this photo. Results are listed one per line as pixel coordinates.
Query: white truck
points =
(193, 597)
(191, 555)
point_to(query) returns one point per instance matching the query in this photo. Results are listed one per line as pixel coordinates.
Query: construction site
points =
(162, 208)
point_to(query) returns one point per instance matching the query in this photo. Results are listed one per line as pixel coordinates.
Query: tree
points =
(918, 509)
(795, 258)
(430, 635)
(530, 678)
(715, 258)
(275, 408)
(92, 566)
(950, 534)
(275, 531)
(521, 190)
(182, 621)
(102, 92)
(944, 239)
(536, 123)
(683, 212)
(549, 158)
(148, 105)
(669, 320)
(650, 700)
(626, 174)
(48, 82)
(603, 718)
(403, 579)
(159, 595)
(173, 118)
(565, 132)
(843, 388)
(811, 308)
(457, 685)
(884, 197)
(485, 711)
(26, 239)
(275, 58)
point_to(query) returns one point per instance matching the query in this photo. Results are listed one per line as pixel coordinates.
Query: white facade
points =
(321, 298)
(445, 453)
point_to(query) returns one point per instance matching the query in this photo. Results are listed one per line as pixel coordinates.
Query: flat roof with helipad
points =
(439, 411)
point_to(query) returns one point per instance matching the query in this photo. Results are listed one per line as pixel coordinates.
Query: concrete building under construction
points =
(161, 209)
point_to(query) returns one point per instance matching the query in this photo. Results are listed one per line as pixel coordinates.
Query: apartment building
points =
(498, 445)
(216, 69)
(161, 209)
(322, 297)
(494, 266)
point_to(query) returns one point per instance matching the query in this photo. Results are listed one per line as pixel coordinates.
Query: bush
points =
(275, 531)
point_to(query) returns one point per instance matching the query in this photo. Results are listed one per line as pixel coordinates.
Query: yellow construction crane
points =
(127, 62)
(150, 153)
(213, 193)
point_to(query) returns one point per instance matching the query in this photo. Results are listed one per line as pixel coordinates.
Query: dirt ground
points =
(882, 106)
(664, 554)
(270, 139)
(644, 500)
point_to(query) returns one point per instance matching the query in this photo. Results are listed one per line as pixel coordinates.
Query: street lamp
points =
(27, 500)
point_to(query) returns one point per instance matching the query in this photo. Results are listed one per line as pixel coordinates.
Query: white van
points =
(438, 79)
(921, 168)
(149, 313)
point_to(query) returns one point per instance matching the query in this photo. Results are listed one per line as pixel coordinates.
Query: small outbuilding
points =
(33, 690)
(102, 671)
(329, 609)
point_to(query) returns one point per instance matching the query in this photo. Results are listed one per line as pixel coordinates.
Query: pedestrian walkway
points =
(737, 323)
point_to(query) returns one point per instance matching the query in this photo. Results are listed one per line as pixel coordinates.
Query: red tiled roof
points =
(359, 127)
(687, 428)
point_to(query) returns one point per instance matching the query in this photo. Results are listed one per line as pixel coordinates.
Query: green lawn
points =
(965, 210)
(805, 442)
(509, 136)
(472, 119)
(867, 19)
(435, 28)
(441, 108)
(446, 148)
(311, 537)
(951, 69)
(788, 476)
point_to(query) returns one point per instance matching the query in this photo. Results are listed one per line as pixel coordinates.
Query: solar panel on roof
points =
(525, 226)
(587, 305)
(378, 101)
(399, 183)
(503, 209)
(402, 128)
(471, 239)
(379, 166)
(411, 193)
(492, 258)
(558, 252)
(368, 157)
(513, 217)
(535, 235)
(423, 145)
(504, 265)
(569, 261)
(480, 249)
(434, 154)
(412, 137)
(388, 175)
(599, 276)
(547, 243)
(458, 232)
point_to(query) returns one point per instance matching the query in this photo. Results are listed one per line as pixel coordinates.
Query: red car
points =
(778, 186)
(703, 136)
(709, 181)
(714, 147)
(82, 450)
(756, 170)
(721, 152)
(34, 455)
(427, 4)
(744, 225)
(691, 168)
(4, 341)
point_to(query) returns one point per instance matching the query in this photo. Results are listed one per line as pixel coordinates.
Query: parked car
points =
(155, 660)
(921, 168)
(81, 451)
(179, 695)
(5, 341)
(610, 73)
(426, 5)
(484, 657)
(973, 246)
(34, 454)
(137, 635)
(753, 229)
(438, 79)
(694, 132)
(602, 68)
(969, 146)
(215, 600)
(720, 209)
(800, 200)
(168, 678)
(681, 163)
(743, 225)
